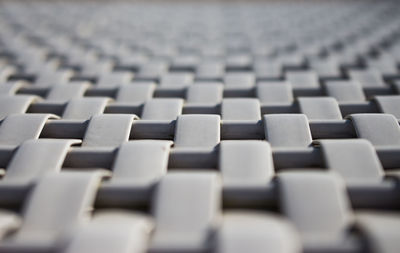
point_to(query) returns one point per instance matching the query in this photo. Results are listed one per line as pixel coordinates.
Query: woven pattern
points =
(200, 127)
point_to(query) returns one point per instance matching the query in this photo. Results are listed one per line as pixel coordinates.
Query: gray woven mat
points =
(200, 127)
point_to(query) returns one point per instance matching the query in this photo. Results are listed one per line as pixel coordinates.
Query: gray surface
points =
(287, 130)
(187, 126)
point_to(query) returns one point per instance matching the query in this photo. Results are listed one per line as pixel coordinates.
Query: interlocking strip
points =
(200, 127)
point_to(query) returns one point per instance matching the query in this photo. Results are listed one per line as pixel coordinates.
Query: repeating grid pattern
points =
(200, 127)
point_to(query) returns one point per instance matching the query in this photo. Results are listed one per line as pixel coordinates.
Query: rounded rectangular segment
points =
(367, 78)
(389, 104)
(245, 163)
(326, 67)
(141, 161)
(84, 108)
(34, 158)
(70, 196)
(162, 109)
(204, 93)
(386, 64)
(186, 61)
(108, 130)
(287, 130)
(274, 92)
(354, 159)
(319, 108)
(211, 70)
(90, 66)
(152, 70)
(345, 91)
(47, 78)
(114, 79)
(63, 93)
(317, 204)
(14, 104)
(113, 231)
(239, 79)
(238, 60)
(256, 232)
(186, 206)
(302, 79)
(240, 109)
(268, 69)
(197, 131)
(135, 93)
(380, 129)
(176, 80)
(17, 128)
(11, 87)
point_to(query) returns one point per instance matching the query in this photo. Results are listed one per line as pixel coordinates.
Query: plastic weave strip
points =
(184, 126)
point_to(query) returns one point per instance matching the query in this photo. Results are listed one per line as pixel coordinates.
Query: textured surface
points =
(200, 126)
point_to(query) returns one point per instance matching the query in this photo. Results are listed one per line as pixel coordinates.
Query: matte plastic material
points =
(378, 226)
(240, 109)
(256, 232)
(389, 104)
(317, 204)
(9, 222)
(367, 78)
(379, 129)
(84, 108)
(197, 131)
(71, 196)
(245, 163)
(17, 128)
(204, 93)
(302, 79)
(287, 130)
(277, 92)
(10, 88)
(14, 104)
(212, 70)
(239, 79)
(114, 79)
(354, 160)
(141, 161)
(34, 158)
(186, 207)
(177, 80)
(108, 130)
(345, 91)
(63, 93)
(320, 108)
(162, 109)
(253, 126)
(113, 231)
(135, 93)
